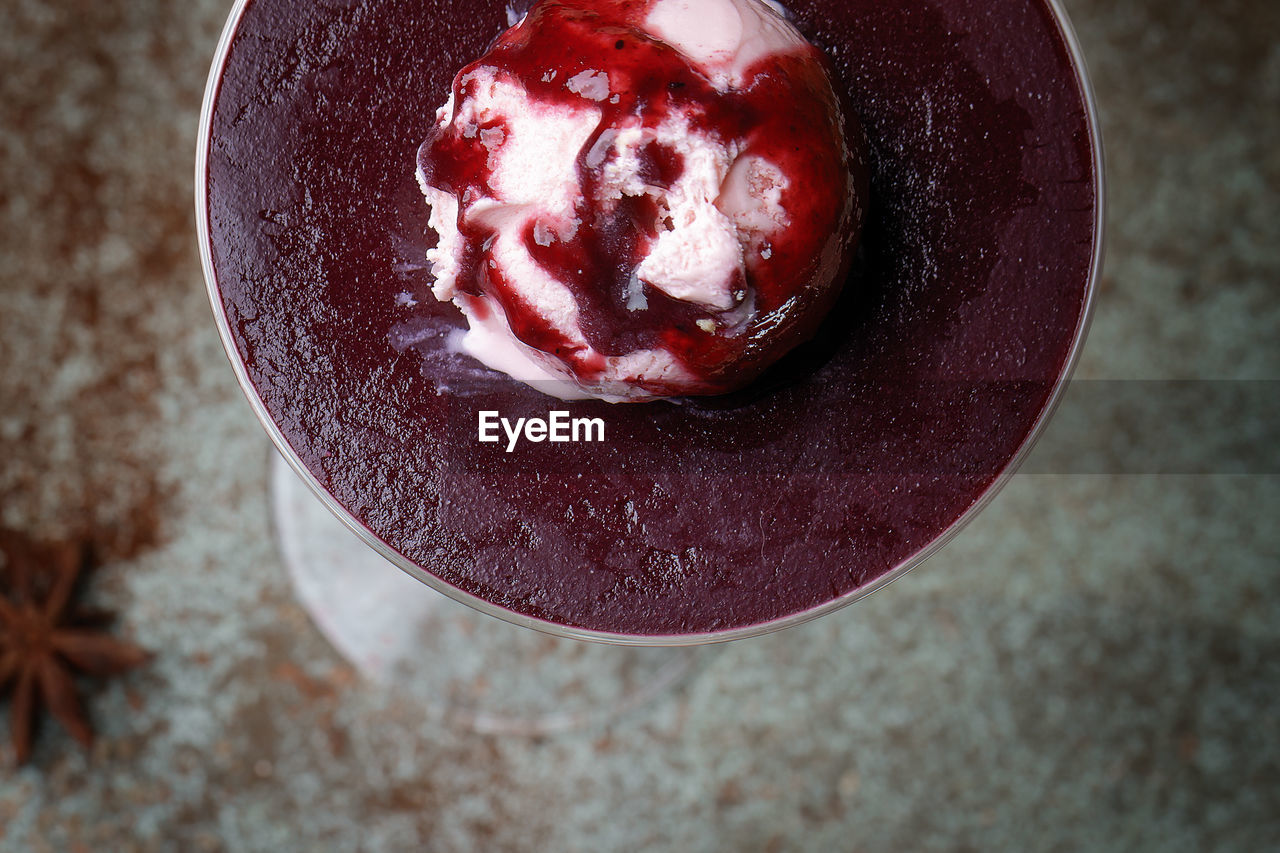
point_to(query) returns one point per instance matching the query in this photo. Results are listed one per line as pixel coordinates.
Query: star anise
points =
(44, 639)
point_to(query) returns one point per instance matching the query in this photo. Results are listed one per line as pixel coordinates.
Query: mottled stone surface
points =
(1093, 664)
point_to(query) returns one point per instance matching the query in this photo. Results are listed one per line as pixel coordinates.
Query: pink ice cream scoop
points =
(639, 199)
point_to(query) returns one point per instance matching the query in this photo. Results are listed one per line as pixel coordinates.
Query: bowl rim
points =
(203, 145)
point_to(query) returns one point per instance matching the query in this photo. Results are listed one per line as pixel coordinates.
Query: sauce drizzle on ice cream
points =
(647, 214)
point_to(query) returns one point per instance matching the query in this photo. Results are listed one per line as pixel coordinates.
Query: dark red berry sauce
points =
(972, 278)
(784, 112)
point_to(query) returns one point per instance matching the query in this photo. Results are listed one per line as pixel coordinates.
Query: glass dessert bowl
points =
(689, 523)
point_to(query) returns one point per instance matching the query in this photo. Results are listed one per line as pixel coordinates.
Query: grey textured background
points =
(1091, 665)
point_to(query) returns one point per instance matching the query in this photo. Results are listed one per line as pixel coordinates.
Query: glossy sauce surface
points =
(785, 113)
